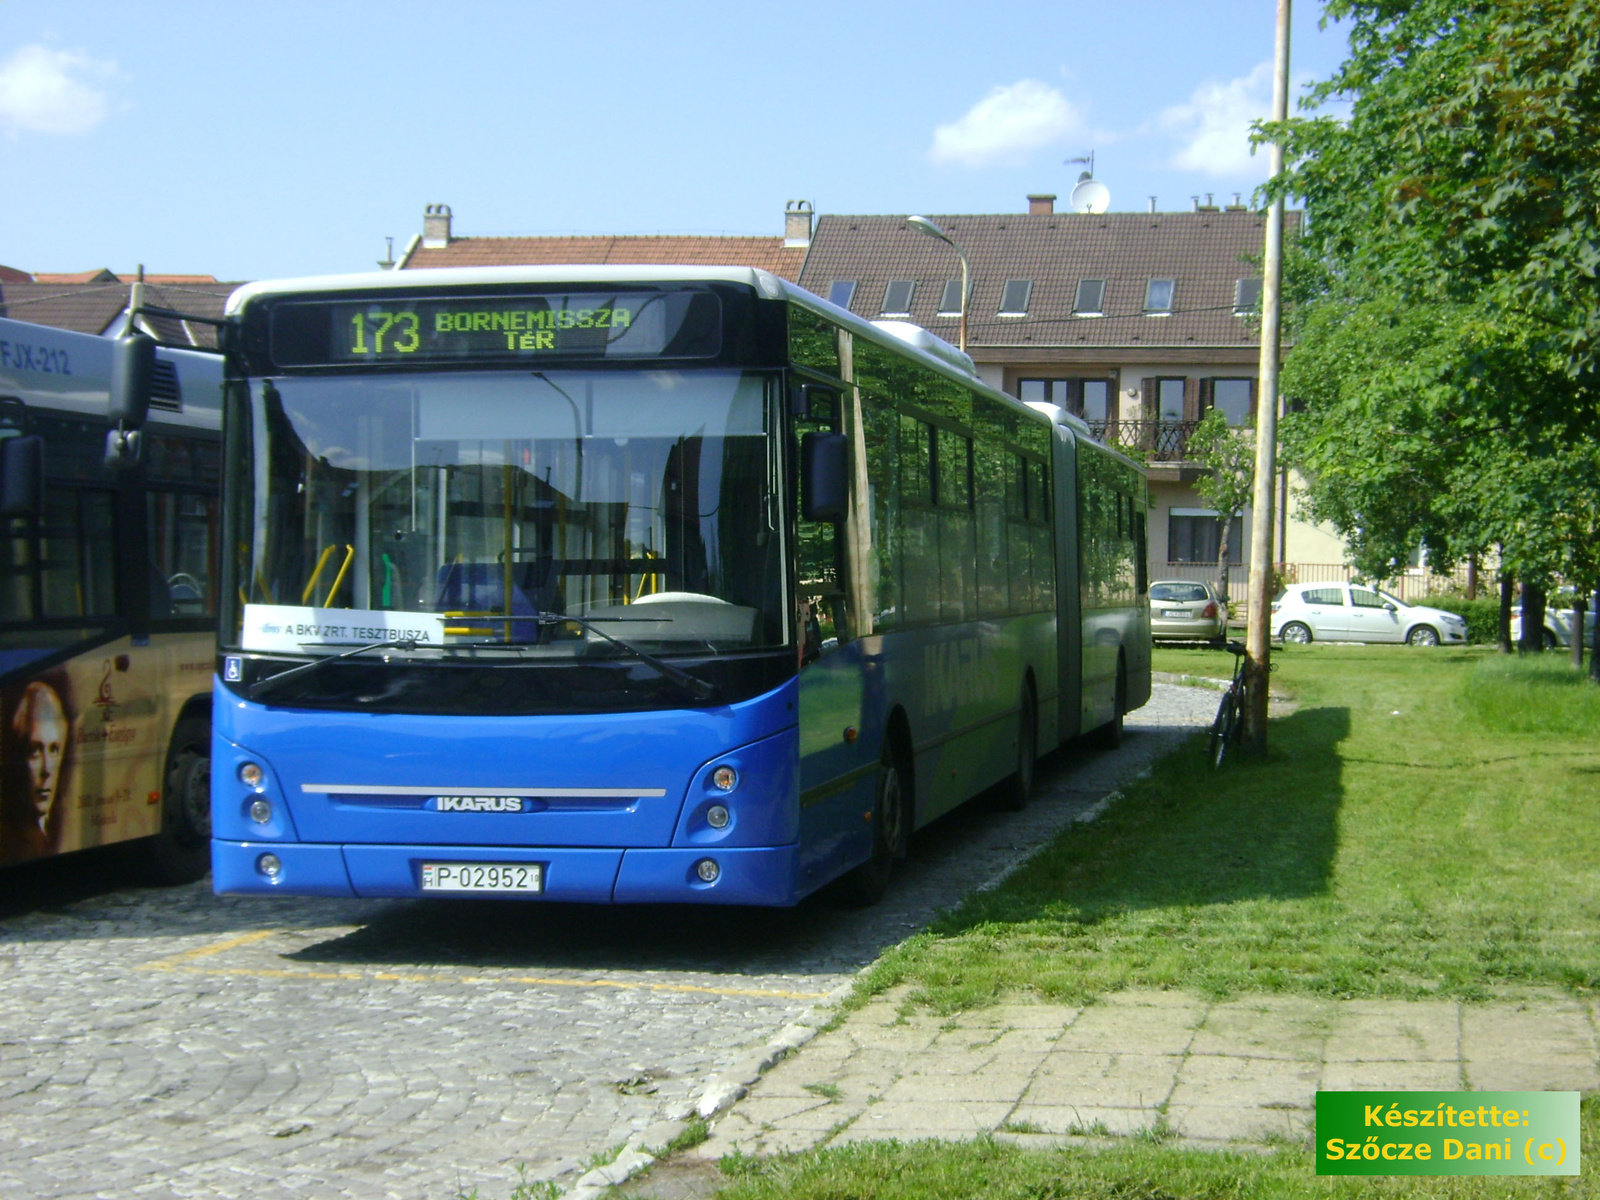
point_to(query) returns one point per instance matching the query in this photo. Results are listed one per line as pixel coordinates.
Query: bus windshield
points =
(473, 509)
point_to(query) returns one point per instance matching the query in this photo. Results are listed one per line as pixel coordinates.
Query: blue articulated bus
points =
(639, 584)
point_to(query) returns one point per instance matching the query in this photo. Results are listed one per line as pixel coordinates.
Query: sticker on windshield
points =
(296, 628)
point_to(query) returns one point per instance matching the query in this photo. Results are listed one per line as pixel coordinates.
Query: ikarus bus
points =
(639, 584)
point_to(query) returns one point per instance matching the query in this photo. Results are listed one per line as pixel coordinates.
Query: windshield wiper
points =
(271, 683)
(699, 688)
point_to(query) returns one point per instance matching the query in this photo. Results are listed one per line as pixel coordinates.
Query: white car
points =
(1557, 622)
(1353, 612)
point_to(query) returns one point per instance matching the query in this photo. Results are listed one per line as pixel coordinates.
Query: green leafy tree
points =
(1447, 344)
(1228, 454)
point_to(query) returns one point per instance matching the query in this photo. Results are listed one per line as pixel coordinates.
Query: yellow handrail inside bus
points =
(653, 577)
(311, 584)
(349, 556)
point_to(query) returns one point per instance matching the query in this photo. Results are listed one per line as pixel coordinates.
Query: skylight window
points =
(1158, 296)
(1014, 299)
(897, 298)
(1090, 299)
(950, 301)
(1246, 297)
(841, 291)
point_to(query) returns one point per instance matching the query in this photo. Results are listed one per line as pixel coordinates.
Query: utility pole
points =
(1257, 632)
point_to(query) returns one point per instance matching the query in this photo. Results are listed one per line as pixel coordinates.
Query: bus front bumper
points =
(762, 875)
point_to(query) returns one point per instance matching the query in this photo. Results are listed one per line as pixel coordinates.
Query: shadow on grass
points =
(1188, 836)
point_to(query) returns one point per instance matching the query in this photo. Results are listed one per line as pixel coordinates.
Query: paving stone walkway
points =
(1211, 1073)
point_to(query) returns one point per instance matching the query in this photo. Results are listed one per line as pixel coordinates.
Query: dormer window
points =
(1090, 300)
(1246, 297)
(897, 298)
(841, 292)
(1014, 299)
(950, 301)
(1158, 297)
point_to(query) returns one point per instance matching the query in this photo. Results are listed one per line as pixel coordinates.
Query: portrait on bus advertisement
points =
(75, 762)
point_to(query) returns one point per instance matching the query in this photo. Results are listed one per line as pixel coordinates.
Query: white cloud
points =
(1215, 125)
(1006, 126)
(52, 91)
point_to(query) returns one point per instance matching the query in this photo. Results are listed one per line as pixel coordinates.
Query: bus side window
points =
(821, 617)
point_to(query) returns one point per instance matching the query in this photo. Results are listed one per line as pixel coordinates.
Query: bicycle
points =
(1228, 728)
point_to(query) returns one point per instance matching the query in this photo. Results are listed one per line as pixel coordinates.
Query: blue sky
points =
(256, 140)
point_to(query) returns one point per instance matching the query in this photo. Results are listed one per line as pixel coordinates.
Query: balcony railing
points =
(1159, 441)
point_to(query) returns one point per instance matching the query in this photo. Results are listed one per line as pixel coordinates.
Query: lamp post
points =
(923, 225)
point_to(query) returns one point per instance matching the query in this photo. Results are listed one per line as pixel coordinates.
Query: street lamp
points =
(923, 225)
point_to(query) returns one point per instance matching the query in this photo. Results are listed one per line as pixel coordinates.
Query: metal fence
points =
(1159, 441)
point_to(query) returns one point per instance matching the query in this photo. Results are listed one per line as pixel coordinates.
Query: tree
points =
(1229, 456)
(1448, 340)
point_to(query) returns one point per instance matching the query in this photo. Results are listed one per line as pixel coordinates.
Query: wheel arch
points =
(897, 742)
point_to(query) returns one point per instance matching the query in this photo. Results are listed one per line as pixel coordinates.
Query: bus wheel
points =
(1109, 735)
(866, 885)
(1018, 786)
(181, 852)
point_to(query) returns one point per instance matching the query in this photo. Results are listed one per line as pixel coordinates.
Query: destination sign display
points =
(465, 329)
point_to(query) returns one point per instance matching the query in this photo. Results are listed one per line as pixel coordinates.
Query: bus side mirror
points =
(812, 401)
(133, 368)
(22, 477)
(824, 476)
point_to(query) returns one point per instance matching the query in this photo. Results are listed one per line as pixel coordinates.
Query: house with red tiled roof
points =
(439, 246)
(1137, 322)
(97, 302)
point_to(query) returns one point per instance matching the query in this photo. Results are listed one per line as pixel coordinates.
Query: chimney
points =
(436, 227)
(1041, 205)
(1152, 204)
(1236, 206)
(797, 224)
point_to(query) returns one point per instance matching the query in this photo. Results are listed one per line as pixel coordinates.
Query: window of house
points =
(841, 292)
(1194, 535)
(1169, 399)
(1246, 296)
(1158, 295)
(1096, 399)
(1043, 391)
(1090, 298)
(1232, 396)
(897, 298)
(1014, 299)
(950, 299)
(1090, 399)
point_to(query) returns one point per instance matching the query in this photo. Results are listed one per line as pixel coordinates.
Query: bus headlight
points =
(269, 865)
(717, 817)
(705, 868)
(260, 811)
(724, 779)
(252, 776)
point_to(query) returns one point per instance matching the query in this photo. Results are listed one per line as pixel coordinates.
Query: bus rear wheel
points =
(181, 852)
(1018, 786)
(867, 884)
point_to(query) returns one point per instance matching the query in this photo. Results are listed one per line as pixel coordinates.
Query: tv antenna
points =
(1089, 195)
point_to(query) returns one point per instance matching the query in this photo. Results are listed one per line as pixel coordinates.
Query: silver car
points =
(1185, 610)
(1355, 612)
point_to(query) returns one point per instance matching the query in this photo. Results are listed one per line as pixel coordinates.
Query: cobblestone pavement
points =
(170, 1043)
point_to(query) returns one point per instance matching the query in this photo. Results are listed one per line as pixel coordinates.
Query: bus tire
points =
(181, 852)
(1109, 735)
(866, 885)
(1016, 788)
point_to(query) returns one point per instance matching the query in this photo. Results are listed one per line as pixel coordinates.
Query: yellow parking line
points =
(244, 939)
(536, 980)
(180, 962)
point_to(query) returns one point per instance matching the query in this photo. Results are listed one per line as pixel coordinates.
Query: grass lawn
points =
(1424, 823)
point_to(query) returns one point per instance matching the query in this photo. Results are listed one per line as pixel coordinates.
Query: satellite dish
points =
(1090, 196)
